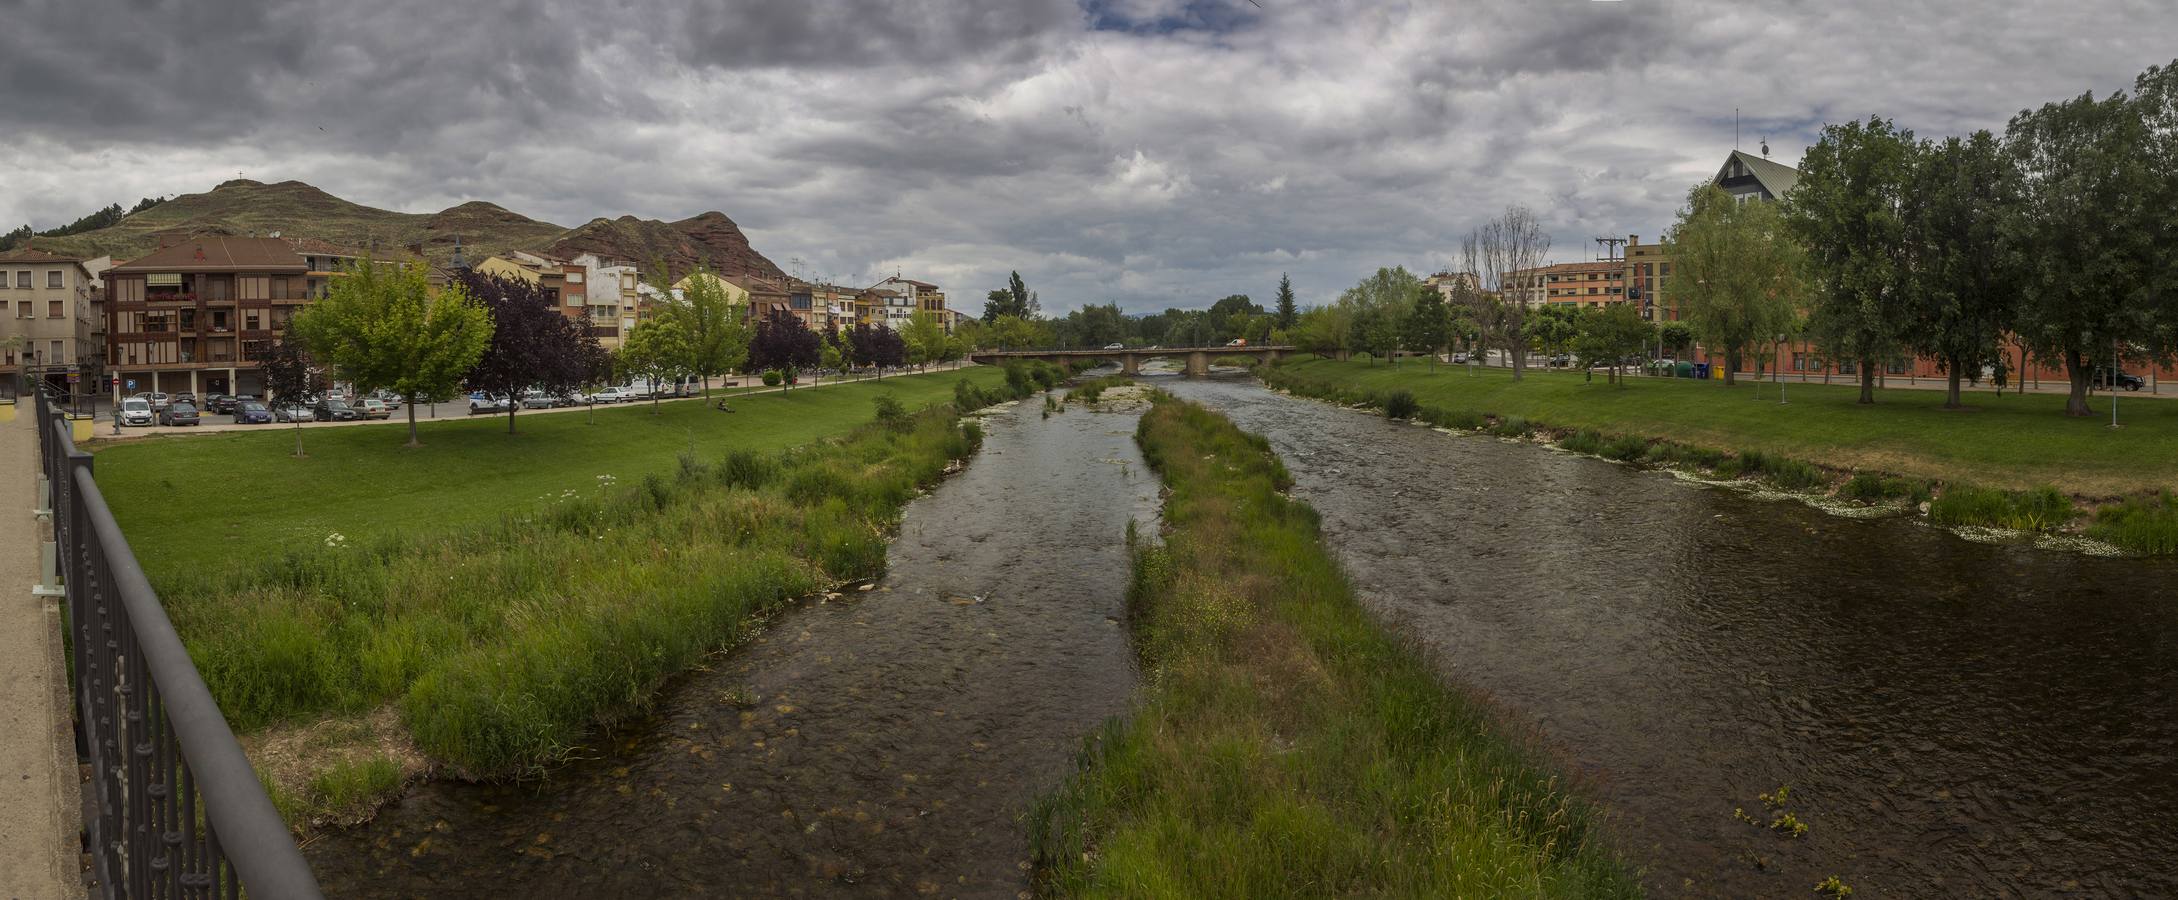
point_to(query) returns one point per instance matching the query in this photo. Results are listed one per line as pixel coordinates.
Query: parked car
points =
(1459, 357)
(536, 399)
(612, 395)
(220, 404)
(180, 412)
(136, 411)
(158, 400)
(1115, 345)
(250, 412)
(481, 403)
(372, 408)
(293, 411)
(188, 397)
(2108, 379)
(1237, 342)
(333, 409)
(389, 398)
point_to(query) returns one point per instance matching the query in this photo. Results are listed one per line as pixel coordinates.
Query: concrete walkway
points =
(39, 797)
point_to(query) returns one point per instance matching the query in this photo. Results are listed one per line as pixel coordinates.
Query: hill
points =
(296, 209)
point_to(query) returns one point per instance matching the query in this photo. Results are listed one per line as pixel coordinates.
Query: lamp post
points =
(1780, 376)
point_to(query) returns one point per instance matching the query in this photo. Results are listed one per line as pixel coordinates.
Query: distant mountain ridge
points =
(296, 209)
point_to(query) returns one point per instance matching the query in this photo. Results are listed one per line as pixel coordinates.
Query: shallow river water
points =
(1954, 719)
(894, 738)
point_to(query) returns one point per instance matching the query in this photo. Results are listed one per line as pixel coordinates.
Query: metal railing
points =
(174, 808)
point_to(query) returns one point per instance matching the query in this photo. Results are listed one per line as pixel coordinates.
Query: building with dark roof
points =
(48, 325)
(190, 316)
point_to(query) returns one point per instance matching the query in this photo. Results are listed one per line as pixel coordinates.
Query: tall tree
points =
(1428, 328)
(532, 344)
(1024, 300)
(381, 326)
(1846, 211)
(1736, 271)
(1610, 335)
(1553, 328)
(657, 349)
(924, 338)
(997, 303)
(718, 338)
(2085, 235)
(1505, 253)
(288, 372)
(1286, 312)
(1960, 296)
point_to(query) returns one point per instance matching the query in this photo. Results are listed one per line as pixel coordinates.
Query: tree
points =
(1611, 334)
(1327, 331)
(1285, 309)
(1024, 300)
(2084, 235)
(1554, 327)
(288, 371)
(1735, 270)
(532, 344)
(1504, 253)
(1960, 294)
(924, 338)
(1676, 337)
(1428, 328)
(381, 326)
(1846, 211)
(1012, 332)
(968, 335)
(784, 343)
(656, 349)
(718, 339)
(997, 303)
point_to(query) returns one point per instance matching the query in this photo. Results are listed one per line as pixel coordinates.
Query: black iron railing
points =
(174, 808)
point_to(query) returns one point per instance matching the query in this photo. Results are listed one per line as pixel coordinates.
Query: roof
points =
(1775, 177)
(219, 254)
(316, 247)
(1598, 265)
(28, 255)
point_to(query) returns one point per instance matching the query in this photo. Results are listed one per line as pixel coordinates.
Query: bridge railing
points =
(175, 809)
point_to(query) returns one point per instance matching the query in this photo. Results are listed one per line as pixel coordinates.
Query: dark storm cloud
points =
(1153, 152)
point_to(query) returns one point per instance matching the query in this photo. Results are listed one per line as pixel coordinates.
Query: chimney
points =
(1632, 239)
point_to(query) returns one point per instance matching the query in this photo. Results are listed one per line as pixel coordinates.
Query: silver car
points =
(136, 411)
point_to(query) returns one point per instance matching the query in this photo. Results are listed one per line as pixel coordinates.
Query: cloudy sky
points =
(1149, 152)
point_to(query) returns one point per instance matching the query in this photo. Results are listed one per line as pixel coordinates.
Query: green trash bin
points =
(1686, 370)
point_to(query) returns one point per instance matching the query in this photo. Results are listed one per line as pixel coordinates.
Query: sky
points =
(1151, 153)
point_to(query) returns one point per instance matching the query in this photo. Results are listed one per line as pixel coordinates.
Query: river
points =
(1953, 718)
(881, 743)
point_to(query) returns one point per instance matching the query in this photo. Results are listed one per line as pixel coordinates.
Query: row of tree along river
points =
(1945, 717)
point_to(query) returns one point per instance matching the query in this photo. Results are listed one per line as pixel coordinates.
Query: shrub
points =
(1626, 448)
(2040, 509)
(890, 411)
(1513, 427)
(747, 469)
(1017, 378)
(1583, 441)
(1868, 487)
(1400, 404)
(771, 378)
(2141, 525)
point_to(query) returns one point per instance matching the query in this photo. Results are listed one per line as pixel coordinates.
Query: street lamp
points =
(1780, 376)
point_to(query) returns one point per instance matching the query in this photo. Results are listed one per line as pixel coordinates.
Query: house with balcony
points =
(47, 332)
(191, 316)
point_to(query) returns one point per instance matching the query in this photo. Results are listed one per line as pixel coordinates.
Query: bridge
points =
(1130, 359)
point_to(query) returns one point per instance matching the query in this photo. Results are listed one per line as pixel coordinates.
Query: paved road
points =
(39, 799)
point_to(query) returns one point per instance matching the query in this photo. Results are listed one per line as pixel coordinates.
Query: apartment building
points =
(47, 327)
(192, 315)
(1587, 285)
(613, 290)
(1648, 271)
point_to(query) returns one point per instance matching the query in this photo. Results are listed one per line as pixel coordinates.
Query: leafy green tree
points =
(288, 371)
(1960, 292)
(716, 328)
(1553, 327)
(1327, 331)
(381, 326)
(1016, 333)
(1677, 337)
(925, 337)
(1024, 300)
(1846, 211)
(997, 303)
(2086, 235)
(1610, 334)
(1736, 271)
(1428, 327)
(1286, 313)
(657, 349)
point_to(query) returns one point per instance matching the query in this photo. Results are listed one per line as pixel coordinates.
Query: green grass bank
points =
(1285, 745)
(2006, 462)
(488, 638)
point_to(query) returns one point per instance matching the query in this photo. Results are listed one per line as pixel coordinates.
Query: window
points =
(250, 319)
(53, 309)
(1799, 362)
(53, 278)
(22, 280)
(1848, 367)
(1896, 367)
(574, 278)
(22, 309)
(56, 358)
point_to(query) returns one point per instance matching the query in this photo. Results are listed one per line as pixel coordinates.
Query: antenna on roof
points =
(1611, 245)
(1765, 146)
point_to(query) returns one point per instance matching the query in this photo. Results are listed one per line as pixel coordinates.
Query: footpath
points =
(39, 800)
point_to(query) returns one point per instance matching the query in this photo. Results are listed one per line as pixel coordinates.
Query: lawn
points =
(2014, 442)
(206, 500)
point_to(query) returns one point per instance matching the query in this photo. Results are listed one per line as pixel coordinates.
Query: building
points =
(190, 316)
(612, 290)
(1587, 285)
(1749, 177)
(1647, 271)
(1449, 285)
(48, 325)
